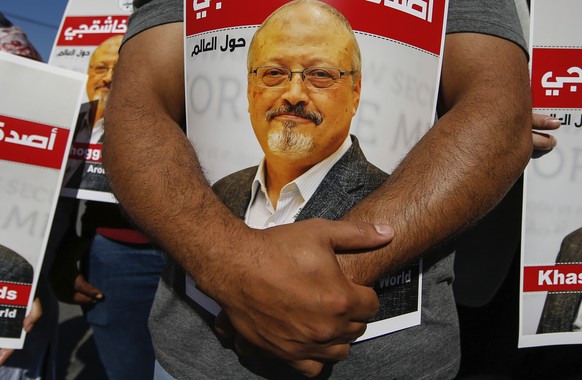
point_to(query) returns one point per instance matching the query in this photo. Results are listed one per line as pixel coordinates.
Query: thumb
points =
(354, 236)
(308, 368)
(85, 292)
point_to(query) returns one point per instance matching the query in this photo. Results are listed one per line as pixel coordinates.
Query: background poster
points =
(87, 42)
(401, 45)
(551, 263)
(35, 136)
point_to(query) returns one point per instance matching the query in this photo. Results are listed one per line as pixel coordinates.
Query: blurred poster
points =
(300, 89)
(88, 42)
(38, 109)
(552, 231)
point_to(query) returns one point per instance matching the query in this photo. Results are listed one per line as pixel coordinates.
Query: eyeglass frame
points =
(303, 76)
(106, 67)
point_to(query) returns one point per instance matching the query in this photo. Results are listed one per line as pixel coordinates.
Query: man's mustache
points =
(296, 110)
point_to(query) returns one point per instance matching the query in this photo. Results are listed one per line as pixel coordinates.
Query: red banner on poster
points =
(91, 30)
(556, 78)
(27, 142)
(417, 23)
(553, 278)
(14, 294)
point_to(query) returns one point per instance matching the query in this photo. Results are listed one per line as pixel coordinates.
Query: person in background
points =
(14, 41)
(104, 263)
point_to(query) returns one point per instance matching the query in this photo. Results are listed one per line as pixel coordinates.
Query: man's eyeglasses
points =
(313, 77)
(101, 69)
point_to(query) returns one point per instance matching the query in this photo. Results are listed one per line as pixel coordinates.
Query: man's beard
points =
(102, 97)
(289, 140)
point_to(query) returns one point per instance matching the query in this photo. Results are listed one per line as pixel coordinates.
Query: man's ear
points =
(357, 91)
(249, 93)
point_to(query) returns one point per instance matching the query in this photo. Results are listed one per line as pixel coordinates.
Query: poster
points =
(390, 101)
(88, 41)
(551, 287)
(35, 136)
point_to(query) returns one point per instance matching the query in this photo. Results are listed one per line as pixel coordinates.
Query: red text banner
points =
(91, 30)
(552, 278)
(414, 22)
(14, 294)
(27, 142)
(556, 78)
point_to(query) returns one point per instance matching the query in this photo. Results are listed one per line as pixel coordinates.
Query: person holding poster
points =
(430, 197)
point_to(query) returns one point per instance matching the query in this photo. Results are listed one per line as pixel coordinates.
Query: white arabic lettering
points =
(200, 5)
(552, 86)
(109, 26)
(422, 9)
(33, 141)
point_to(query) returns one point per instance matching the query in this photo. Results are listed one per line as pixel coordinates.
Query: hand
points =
(69, 285)
(292, 300)
(244, 348)
(543, 142)
(84, 292)
(28, 323)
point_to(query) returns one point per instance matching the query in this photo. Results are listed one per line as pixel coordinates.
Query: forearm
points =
(463, 166)
(150, 163)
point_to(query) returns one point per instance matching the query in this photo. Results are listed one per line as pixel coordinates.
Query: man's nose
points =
(296, 91)
(108, 76)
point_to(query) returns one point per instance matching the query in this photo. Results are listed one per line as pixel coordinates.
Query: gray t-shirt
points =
(184, 341)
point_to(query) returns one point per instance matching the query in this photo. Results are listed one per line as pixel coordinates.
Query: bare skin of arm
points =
(464, 165)
(267, 281)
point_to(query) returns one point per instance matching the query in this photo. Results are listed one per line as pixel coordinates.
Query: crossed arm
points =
(466, 162)
(267, 281)
(457, 173)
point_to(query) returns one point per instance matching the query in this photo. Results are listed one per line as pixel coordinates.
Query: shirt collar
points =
(309, 181)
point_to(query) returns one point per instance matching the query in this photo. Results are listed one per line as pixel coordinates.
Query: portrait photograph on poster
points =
(277, 109)
(551, 288)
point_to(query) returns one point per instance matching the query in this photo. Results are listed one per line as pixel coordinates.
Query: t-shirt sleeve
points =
(494, 17)
(150, 13)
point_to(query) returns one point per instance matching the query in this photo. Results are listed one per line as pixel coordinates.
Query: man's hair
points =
(337, 15)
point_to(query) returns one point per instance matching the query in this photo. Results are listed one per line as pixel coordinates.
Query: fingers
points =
(34, 315)
(223, 326)
(4, 355)
(543, 141)
(368, 305)
(347, 236)
(245, 348)
(85, 292)
(545, 122)
(308, 368)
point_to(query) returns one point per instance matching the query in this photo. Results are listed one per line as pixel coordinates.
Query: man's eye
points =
(320, 74)
(274, 73)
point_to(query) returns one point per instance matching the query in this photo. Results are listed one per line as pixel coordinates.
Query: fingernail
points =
(99, 296)
(384, 229)
(552, 122)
